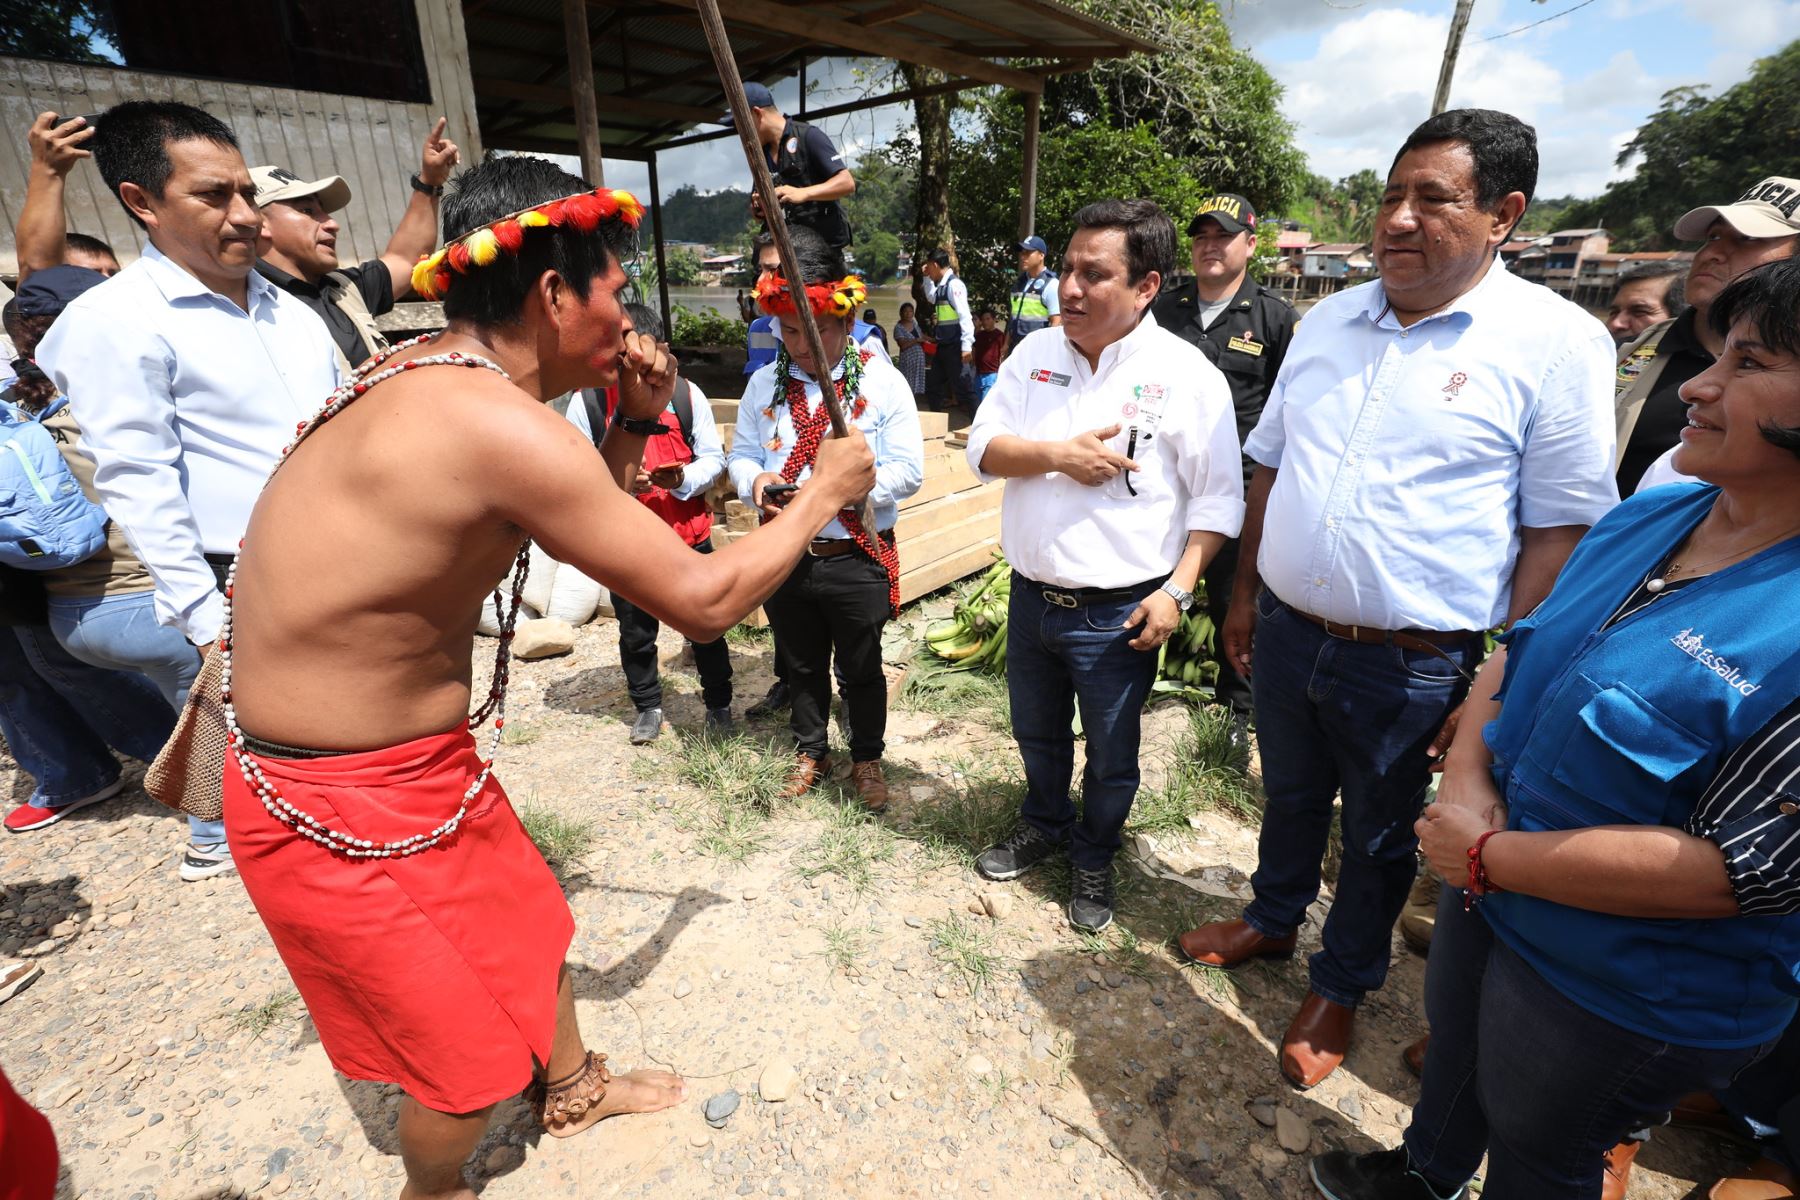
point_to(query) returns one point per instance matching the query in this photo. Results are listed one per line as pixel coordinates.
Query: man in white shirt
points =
(1434, 446)
(835, 602)
(952, 374)
(1121, 448)
(187, 371)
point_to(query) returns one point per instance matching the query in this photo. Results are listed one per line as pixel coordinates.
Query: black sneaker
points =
(718, 721)
(1023, 849)
(1091, 905)
(777, 701)
(648, 727)
(1382, 1175)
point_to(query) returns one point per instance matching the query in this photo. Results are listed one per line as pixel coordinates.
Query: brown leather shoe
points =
(1618, 1170)
(871, 788)
(806, 772)
(1702, 1110)
(1414, 1055)
(1764, 1179)
(1231, 943)
(1316, 1042)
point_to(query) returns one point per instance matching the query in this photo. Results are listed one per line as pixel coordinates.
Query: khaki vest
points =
(348, 297)
(1640, 366)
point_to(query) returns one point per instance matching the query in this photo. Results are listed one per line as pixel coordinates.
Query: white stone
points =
(542, 638)
(777, 1082)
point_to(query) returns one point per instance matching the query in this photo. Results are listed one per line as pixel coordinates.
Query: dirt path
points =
(936, 1051)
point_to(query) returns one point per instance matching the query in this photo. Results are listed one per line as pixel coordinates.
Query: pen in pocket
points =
(1130, 452)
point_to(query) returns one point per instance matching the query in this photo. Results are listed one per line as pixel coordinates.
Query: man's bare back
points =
(372, 550)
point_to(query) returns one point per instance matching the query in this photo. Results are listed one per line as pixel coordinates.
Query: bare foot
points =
(640, 1091)
(463, 1192)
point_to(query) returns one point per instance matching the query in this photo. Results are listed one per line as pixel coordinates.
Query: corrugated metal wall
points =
(374, 144)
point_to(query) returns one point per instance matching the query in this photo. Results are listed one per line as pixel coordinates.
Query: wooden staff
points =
(720, 45)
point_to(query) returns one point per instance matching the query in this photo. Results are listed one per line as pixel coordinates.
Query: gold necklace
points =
(1655, 583)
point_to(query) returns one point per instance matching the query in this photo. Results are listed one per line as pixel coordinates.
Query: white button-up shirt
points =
(1410, 458)
(764, 436)
(698, 473)
(953, 291)
(1175, 419)
(185, 401)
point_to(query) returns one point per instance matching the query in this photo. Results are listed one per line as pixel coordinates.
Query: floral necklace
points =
(810, 427)
(364, 378)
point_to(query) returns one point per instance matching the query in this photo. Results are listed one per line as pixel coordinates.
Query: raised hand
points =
(440, 156)
(646, 377)
(57, 145)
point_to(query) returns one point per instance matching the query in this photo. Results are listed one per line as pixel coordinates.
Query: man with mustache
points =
(1243, 328)
(300, 252)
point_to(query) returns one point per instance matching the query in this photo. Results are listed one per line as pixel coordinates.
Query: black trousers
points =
(637, 654)
(949, 374)
(833, 606)
(1232, 689)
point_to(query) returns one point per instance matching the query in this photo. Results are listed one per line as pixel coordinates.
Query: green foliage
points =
(706, 328)
(1696, 150)
(719, 218)
(1339, 212)
(560, 838)
(883, 207)
(64, 30)
(683, 265)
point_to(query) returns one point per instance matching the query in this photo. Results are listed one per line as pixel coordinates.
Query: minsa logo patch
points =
(1042, 376)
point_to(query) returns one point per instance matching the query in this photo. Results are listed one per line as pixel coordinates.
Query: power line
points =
(1521, 29)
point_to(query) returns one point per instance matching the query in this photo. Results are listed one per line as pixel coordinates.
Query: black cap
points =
(1233, 213)
(47, 292)
(757, 96)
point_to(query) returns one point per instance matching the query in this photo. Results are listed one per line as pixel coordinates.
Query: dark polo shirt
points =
(371, 279)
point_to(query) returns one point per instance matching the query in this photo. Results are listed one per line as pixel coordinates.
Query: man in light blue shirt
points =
(1434, 445)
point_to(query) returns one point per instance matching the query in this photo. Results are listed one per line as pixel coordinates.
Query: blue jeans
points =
(121, 633)
(1766, 1098)
(1518, 1071)
(61, 715)
(1335, 716)
(1057, 658)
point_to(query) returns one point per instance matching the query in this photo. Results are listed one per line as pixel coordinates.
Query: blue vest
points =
(1629, 725)
(760, 345)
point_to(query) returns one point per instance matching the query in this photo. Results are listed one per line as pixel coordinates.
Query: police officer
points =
(810, 175)
(1243, 328)
(1034, 303)
(952, 374)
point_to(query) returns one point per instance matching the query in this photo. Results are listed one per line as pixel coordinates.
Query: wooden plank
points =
(951, 539)
(945, 481)
(934, 424)
(366, 204)
(948, 510)
(923, 580)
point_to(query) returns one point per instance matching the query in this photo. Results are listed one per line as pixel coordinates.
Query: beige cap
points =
(1771, 209)
(279, 183)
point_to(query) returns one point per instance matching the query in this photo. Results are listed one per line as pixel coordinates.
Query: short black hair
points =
(131, 142)
(940, 257)
(1769, 298)
(644, 319)
(819, 260)
(1149, 234)
(1504, 149)
(82, 243)
(1674, 270)
(503, 184)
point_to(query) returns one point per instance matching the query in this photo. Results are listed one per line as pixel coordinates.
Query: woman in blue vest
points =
(1620, 815)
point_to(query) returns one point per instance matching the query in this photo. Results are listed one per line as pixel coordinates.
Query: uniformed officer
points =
(952, 374)
(1034, 304)
(1243, 328)
(810, 175)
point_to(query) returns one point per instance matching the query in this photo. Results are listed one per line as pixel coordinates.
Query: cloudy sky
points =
(1359, 75)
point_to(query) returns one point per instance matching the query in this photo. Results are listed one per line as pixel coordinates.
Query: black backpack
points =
(595, 402)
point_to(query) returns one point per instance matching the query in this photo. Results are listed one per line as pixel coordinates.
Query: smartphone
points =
(779, 493)
(92, 119)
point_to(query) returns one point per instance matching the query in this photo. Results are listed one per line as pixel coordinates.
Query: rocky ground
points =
(841, 998)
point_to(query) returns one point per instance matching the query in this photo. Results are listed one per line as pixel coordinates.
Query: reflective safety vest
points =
(1029, 312)
(946, 312)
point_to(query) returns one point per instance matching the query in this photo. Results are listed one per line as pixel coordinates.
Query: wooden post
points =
(720, 44)
(662, 267)
(581, 90)
(1029, 173)
(1459, 24)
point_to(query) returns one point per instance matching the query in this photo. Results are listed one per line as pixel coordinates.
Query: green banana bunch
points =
(974, 638)
(1187, 657)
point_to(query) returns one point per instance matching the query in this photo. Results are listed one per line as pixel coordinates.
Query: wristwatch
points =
(1183, 600)
(640, 426)
(434, 190)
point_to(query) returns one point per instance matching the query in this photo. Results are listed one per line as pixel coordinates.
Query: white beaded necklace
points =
(364, 378)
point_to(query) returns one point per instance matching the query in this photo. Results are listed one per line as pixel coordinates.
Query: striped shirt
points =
(1751, 810)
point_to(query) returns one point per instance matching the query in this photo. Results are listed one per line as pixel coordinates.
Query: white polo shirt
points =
(1133, 528)
(1410, 458)
(185, 401)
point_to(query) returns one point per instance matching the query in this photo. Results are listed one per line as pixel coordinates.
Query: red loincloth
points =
(28, 1158)
(437, 972)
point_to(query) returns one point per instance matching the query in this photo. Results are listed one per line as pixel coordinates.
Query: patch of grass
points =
(976, 812)
(560, 838)
(519, 734)
(737, 770)
(998, 1085)
(1204, 773)
(966, 949)
(845, 945)
(1119, 945)
(933, 688)
(746, 637)
(854, 846)
(258, 1019)
(1062, 1057)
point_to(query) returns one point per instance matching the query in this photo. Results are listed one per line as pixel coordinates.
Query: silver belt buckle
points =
(1061, 599)
(810, 552)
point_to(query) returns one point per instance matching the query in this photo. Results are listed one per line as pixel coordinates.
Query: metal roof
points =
(654, 78)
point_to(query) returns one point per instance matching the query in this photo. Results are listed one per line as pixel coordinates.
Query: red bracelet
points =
(1479, 884)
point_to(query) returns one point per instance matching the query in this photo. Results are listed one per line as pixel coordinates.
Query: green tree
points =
(883, 207)
(64, 30)
(1697, 150)
(683, 266)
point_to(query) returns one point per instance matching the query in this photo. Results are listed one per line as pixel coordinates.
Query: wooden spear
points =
(720, 45)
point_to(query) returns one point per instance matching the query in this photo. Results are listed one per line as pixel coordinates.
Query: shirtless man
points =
(355, 601)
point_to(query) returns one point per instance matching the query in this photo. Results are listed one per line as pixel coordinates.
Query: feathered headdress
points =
(841, 298)
(581, 212)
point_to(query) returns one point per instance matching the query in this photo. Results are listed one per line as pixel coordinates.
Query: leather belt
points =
(832, 547)
(1063, 597)
(1407, 639)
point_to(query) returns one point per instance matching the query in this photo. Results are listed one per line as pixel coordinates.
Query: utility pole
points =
(1459, 24)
